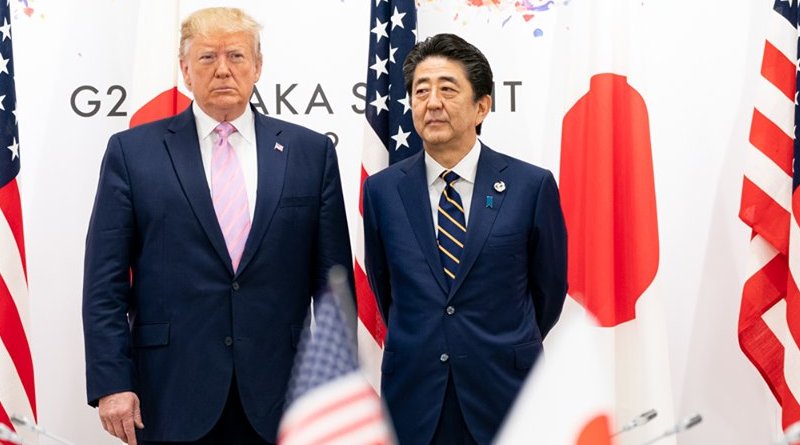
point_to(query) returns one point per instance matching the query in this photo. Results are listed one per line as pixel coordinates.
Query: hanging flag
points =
(389, 136)
(769, 317)
(608, 194)
(17, 388)
(329, 400)
(568, 398)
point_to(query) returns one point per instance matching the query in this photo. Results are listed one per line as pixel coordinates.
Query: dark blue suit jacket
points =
(508, 292)
(178, 325)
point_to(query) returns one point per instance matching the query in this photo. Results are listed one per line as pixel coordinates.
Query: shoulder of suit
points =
(517, 165)
(395, 171)
(286, 129)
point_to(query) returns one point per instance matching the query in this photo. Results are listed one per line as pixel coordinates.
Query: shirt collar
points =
(245, 124)
(467, 167)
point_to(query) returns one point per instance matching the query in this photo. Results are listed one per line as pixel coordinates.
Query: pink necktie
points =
(229, 193)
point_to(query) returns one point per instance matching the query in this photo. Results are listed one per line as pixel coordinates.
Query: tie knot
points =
(224, 129)
(449, 176)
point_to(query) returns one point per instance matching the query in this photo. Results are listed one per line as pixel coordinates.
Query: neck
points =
(224, 115)
(447, 157)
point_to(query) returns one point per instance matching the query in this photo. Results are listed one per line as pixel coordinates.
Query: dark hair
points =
(452, 47)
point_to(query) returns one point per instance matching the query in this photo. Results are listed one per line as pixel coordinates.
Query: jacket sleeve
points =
(107, 281)
(333, 238)
(547, 247)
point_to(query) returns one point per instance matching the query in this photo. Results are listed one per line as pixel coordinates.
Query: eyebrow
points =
(440, 78)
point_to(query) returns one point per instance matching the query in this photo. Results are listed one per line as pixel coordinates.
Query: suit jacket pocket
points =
(298, 201)
(387, 366)
(506, 240)
(150, 335)
(525, 355)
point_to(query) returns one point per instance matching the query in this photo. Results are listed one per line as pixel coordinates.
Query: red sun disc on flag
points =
(608, 197)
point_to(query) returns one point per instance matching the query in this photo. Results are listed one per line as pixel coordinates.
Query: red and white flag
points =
(329, 401)
(769, 318)
(569, 397)
(389, 136)
(17, 387)
(608, 195)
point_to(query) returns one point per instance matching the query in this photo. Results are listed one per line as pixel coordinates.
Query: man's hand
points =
(119, 413)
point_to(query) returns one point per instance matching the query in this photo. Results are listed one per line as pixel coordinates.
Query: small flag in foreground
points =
(568, 398)
(329, 401)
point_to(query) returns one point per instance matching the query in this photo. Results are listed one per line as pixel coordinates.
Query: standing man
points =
(210, 233)
(466, 252)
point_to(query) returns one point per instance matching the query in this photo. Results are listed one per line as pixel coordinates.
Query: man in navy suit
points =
(211, 232)
(466, 252)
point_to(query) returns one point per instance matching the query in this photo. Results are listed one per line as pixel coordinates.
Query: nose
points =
(434, 101)
(222, 69)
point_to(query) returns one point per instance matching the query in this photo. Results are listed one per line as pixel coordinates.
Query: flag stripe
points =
(325, 407)
(772, 141)
(12, 334)
(778, 70)
(11, 208)
(764, 215)
(368, 312)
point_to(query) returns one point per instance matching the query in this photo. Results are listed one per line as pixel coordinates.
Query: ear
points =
(259, 62)
(484, 107)
(185, 71)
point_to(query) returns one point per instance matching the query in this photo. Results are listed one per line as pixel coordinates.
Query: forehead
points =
(241, 39)
(437, 68)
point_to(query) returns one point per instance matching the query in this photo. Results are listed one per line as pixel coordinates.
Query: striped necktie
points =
(451, 228)
(229, 193)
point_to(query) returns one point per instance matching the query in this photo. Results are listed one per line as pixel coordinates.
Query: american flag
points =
(769, 318)
(329, 401)
(389, 137)
(17, 390)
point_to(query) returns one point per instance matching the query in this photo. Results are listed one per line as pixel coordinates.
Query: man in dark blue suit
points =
(466, 253)
(210, 234)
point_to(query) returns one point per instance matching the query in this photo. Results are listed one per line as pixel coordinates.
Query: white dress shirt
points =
(467, 168)
(243, 142)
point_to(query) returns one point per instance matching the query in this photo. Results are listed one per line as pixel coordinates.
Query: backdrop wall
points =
(695, 64)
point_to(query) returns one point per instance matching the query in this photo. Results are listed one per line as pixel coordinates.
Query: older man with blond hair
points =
(210, 235)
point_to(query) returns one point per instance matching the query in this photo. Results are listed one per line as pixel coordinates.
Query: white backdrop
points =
(696, 65)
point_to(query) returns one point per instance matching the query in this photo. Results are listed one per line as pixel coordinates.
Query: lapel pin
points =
(489, 201)
(279, 147)
(500, 186)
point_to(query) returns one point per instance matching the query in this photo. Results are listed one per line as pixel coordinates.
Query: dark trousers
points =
(452, 429)
(231, 428)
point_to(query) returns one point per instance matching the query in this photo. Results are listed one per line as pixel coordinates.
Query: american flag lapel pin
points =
(279, 147)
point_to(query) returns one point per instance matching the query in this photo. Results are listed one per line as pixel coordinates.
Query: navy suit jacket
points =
(487, 330)
(165, 315)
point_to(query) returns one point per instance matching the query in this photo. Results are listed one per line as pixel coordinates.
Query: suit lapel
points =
(481, 216)
(413, 191)
(184, 150)
(271, 173)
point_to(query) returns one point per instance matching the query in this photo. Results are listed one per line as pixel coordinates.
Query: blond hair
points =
(214, 20)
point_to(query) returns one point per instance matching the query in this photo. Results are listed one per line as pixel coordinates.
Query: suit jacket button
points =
(235, 285)
(450, 310)
(228, 341)
(444, 358)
